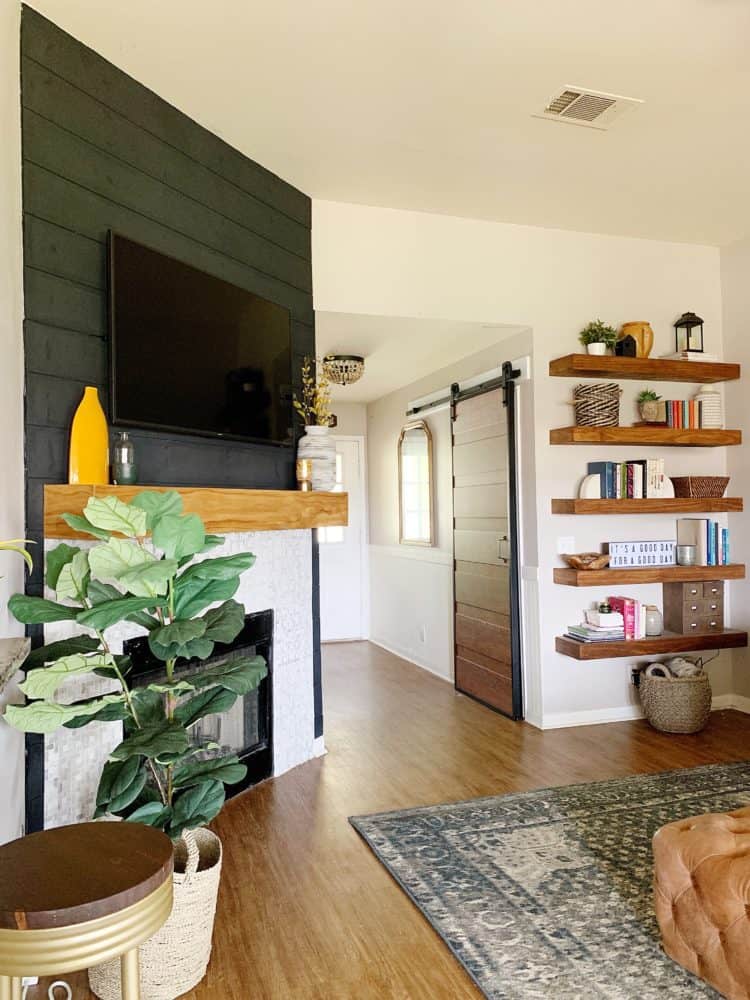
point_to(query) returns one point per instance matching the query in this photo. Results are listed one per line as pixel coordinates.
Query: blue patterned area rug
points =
(548, 893)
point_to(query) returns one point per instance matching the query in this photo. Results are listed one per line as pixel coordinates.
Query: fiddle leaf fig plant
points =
(143, 568)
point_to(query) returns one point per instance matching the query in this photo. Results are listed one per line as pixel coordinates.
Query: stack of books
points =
(633, 615)
(684, 414)
(689, 356)
(711, 541)
(596, 633)
(635, 480)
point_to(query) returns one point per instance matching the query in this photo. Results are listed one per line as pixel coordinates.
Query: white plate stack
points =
(712, 408)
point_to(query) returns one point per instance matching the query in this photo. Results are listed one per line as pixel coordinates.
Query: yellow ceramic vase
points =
(89, 441)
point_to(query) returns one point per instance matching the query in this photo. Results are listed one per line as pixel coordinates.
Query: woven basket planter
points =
(175, 959)
(597, 405)
(676, 704)
(700, 486)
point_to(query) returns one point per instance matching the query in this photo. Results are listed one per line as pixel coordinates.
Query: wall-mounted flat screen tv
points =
(195, 354)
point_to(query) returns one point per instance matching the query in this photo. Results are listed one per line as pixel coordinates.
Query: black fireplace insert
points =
(246, 729)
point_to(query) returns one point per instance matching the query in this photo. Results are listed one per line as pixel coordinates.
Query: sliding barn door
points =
(487, 653)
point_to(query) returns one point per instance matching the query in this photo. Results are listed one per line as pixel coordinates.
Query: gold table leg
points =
(130, 975)
(10, 988)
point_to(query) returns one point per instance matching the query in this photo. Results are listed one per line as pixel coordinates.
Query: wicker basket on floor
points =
(597, 405)
(703, 487)
(676, 704)
(175, 959)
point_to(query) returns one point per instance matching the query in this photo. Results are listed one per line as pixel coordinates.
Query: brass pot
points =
(641, 333)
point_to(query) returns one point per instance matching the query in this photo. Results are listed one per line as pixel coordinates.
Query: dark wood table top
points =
(72, 874)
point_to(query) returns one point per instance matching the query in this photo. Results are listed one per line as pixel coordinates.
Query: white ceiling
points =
(398, 350)
(427, 105)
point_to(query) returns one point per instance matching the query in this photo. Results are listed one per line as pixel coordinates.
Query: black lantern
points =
(689, 333)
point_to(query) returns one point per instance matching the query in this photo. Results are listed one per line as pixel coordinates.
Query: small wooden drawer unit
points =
(694, 607)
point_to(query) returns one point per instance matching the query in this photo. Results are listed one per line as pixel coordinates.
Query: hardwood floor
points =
(305, 909)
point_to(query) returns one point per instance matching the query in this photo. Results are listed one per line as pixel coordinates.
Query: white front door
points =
(341, 551)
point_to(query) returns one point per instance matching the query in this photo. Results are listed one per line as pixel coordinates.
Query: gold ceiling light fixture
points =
(344, 369)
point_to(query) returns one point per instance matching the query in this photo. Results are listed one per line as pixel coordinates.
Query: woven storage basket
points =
(175, 959)
(700, 486)
(676, 704)
(597, 405)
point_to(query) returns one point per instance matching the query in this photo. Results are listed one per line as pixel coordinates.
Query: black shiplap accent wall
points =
(100, 152)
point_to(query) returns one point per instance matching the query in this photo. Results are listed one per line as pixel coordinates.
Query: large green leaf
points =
(152, 578)
(73, 578)
(153, 741)
(98, 592)
(148, 705)
(157, 505)
(179, 535)
(56, 559)
(118, 556)
(220, 568)
(111, 612)
(181, 638)
(114, 710)
(227, 769)
(120, 785)
(79, 523)
(194, 595)
(44, 682)
(47, 716)
(63, 647)
(224, 624)
(38, 611)
(196, 806)
(152, 814)
(241, 674)
(212, 701)
(112, 514)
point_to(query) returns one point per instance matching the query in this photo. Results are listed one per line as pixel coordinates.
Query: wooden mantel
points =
(221, 509)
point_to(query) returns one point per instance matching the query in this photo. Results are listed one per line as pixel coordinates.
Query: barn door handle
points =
(503, 549)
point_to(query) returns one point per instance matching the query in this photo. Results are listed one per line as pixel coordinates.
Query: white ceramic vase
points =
(318, 445)
(596, 348)
(712, 411)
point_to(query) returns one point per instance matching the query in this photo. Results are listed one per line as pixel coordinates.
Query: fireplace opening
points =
(246, 728)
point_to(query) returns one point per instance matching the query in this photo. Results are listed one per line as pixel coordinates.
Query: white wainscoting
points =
(411, 605)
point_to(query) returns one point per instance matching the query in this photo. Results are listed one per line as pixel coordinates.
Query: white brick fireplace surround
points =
(281, 580)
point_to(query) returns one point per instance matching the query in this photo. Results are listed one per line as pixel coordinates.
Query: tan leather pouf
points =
(702, 897)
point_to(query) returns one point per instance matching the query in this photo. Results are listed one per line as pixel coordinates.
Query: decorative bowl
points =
(587, 560)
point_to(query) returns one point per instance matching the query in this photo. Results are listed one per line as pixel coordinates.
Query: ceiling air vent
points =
(579, 106)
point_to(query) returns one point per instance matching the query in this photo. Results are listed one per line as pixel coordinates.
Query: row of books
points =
(711, 541)
(630, 623)
(684, 414)
(630, 480)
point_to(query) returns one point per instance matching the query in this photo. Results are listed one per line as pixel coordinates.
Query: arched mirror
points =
(415, 485)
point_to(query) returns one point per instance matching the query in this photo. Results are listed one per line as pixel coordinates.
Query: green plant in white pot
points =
(598, 338)
(159, 774)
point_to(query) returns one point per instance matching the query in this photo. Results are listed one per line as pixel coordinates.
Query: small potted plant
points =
(598, 338)
(143, 569)
(648, 405)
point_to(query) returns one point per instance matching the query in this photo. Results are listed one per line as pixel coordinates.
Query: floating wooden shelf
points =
(669, 642)
(651, 505)
(652, 574)
(648, 369)
(221, 509)
(658, 436)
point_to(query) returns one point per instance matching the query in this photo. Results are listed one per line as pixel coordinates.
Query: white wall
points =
(391, 262)
(411, 587)
(735, 285)
(352, 418)
(11, 390)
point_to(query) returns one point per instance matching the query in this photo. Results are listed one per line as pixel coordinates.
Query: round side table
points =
(79, 895)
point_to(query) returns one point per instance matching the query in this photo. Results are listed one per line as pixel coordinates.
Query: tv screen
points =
(193, 353)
